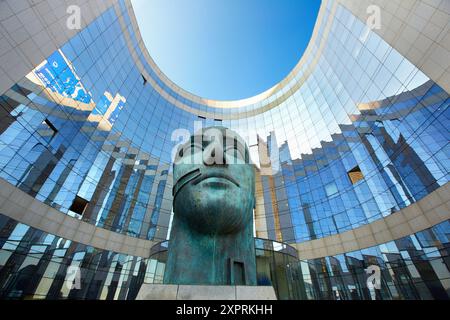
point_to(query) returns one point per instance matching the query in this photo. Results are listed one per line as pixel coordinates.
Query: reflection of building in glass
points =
(351, 151)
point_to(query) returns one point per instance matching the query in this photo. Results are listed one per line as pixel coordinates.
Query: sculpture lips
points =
(215, 175)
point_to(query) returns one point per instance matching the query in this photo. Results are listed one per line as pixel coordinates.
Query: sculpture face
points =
(214, 182)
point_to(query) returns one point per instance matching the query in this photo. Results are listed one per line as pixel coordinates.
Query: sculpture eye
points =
(205, 143)
(234, 151)
(196, 148)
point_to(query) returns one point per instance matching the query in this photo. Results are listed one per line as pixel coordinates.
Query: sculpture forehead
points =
(205, 134)
(245, 170)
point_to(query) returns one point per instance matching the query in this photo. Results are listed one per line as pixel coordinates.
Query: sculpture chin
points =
(213, 213)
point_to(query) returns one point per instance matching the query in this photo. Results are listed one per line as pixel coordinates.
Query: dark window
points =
(355, 175)
(238, 273)
(79, 205)
(49, 126)
(201, 117)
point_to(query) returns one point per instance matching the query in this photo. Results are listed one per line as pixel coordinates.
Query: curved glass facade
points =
(355, 134)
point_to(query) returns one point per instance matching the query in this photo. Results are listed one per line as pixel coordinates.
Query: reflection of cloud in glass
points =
(57, 74)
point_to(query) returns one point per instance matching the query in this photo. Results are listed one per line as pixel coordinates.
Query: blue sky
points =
(226, 49)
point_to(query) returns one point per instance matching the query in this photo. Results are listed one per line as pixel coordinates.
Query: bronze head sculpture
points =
(211, 240)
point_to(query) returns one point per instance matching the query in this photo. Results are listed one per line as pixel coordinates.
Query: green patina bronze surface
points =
(211, 240)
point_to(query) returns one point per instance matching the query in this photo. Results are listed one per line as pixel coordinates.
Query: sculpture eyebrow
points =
(237, 143)
(184, 179)
(241, 148)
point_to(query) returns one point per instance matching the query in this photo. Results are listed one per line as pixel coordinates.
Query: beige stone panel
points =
(255, 293)
(186, 292)
(157, 292)
(401, 230)
(419, 223)
(350, 246)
